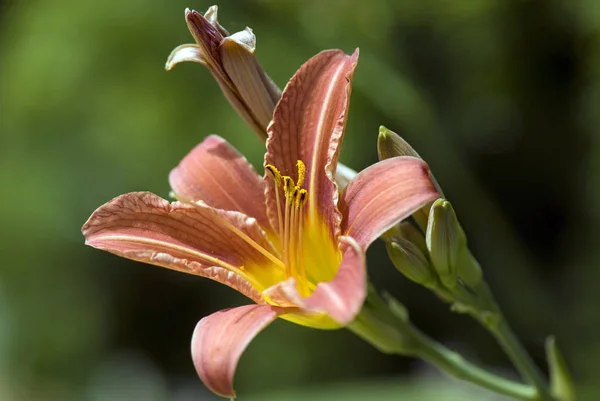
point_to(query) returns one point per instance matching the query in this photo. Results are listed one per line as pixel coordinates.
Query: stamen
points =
(301, 172)
(278, 184)
(275, 173)
(288, 184)
(246, 238)
(303, 282)
(286, 233)
(293, 232)
(291, 221)
(300, 197)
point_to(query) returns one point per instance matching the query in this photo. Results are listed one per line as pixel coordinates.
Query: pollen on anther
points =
(301, 172)
(275, 173)
(300, 197)
(288, 183)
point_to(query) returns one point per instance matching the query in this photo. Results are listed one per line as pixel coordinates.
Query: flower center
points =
(291, 198)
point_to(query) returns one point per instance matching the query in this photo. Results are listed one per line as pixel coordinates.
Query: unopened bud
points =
(410, 261)
(468, 269)
(445, 241)
(561, 382)
(390, 144)
(257, 91)
(409, 231)
(231, 60)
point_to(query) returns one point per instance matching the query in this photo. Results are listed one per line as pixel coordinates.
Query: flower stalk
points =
(386, 326)
(457, 278)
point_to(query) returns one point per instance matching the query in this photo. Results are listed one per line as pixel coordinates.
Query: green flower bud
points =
(412, 233)
(561, 383)
(468, 269)
(390, 144)
(445, 241)
(410, 261)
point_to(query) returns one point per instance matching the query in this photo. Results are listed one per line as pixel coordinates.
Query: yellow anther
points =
(288, 184)
(300, 197)
(301, 172)
(275, 173)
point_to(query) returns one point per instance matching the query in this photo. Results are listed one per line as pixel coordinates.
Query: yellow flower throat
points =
(306, 250)
(290, 221)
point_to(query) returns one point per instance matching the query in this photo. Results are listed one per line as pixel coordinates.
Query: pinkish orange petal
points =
(217, 174)
(340, 298)
(195, 239)
(308, 124)
(220, 339)
(384, 194)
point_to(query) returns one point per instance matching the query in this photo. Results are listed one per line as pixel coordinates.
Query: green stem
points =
(455, 365)
(520, 358)
(394, 334)
(490, 316)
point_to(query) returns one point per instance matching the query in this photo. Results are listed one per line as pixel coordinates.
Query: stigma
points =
(291, 198)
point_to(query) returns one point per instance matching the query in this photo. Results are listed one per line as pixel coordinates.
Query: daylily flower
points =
(289, 241)
(231, 60)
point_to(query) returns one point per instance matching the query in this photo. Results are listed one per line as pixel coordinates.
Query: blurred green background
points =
(501, 97)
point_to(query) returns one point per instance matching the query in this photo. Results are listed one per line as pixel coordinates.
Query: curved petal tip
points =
(220, 339)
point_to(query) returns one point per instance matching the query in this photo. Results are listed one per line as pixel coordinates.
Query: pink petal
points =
(308, 124)
(217, 174)
(384, 194)
(340, 298)
(220, 339)
(195, 239)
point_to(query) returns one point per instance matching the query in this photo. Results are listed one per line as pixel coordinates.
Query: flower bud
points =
(231, 60)
(412, 233)
(445, 241)
(390, 144)
(468, 269)
(561, 382)
(410, 260)
(257, 91)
